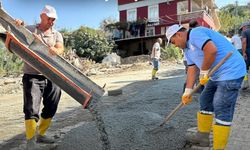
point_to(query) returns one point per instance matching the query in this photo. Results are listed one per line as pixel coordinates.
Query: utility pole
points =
(236, 15)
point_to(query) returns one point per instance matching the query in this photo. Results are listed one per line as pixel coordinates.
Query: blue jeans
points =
(156, 63)
(220, 97)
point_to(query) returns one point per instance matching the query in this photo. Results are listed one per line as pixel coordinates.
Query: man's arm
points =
(191, 74)
(186, 97)
(233, 40)
(60, 48)
(57, 49)
(244, 46)
(153, 52)
(210, 52)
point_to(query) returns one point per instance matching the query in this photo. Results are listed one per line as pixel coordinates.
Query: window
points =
(131, 15)
(195, 6)
(150, 31)
(153, 13)
(182, 7)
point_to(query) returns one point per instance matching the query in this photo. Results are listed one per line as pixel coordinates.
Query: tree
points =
(9, 63)
(91, 43)
(67, 38)
(232, 16)
(105, 22)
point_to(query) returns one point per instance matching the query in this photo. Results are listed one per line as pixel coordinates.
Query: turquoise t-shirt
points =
(233, 68)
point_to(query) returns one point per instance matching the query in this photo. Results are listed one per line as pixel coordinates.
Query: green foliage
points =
(67, 40)
(90, 43)
(87, 42)
(106, 22)
(171, 52)
(232, 16)
(9, 63)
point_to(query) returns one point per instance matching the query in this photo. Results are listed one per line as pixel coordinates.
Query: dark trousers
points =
(36, 88)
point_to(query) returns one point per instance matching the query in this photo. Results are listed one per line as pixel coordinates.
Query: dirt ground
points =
(131, 119)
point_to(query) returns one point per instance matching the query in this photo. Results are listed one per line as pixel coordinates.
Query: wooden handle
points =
(197, 87)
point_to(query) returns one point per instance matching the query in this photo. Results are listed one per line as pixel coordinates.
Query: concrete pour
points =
(85, 137)
(130, 118)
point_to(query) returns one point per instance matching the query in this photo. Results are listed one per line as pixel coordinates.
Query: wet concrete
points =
(240, 130)
(85, 137)
(95, 112)
(130, 118)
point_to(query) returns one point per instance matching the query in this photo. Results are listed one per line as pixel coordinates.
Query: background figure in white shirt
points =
(236, 41)
(155, 56)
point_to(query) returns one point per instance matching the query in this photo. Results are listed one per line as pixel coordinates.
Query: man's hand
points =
(204, 77)
(19, 22)
(187, 97)
(38, 37)
(244, 56)
(53, 51)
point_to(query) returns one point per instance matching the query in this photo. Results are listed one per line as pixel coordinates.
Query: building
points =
(142, 21)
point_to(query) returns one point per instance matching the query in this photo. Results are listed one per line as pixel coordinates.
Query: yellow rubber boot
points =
(245, 83)
(30, 126)
(201, 137)
(154, 74)
(246, 77)
(221, 134)
(204, 122)
(43, 126)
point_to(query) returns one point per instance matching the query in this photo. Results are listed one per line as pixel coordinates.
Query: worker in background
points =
(37, 87)
(204, 49)
(236, 41)
(245, 27)
(155, 57)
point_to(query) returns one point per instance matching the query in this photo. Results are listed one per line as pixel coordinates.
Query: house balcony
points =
(158, 29)
(197, 15)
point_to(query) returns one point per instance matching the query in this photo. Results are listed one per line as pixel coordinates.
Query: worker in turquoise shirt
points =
(204, 49)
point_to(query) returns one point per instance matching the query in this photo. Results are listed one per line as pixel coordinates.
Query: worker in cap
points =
(204, 49)
(36, 87)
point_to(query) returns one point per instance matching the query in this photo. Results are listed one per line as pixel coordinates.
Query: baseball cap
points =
(49, 11)
(245, 24)
(172, 30)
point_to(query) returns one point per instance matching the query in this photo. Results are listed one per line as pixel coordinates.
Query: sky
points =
(71, 13)
(221, 3)
(74, 13)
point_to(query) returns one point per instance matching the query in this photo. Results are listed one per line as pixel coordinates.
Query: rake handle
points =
(197, 88)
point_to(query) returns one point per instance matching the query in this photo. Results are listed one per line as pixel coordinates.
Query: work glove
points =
(204, 77)
(187, 97)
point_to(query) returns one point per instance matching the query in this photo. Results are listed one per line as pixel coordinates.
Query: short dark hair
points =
(193, 24)
(182, 29)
